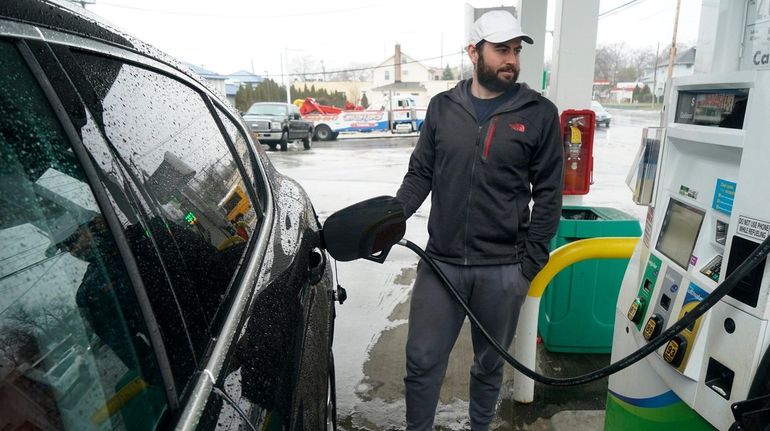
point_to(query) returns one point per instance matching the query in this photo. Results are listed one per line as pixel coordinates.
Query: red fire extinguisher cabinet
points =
(577, 129)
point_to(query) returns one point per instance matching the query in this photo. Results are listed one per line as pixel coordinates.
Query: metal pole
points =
(284, 78)
(390, 111)
(672, 53)
(655, 77)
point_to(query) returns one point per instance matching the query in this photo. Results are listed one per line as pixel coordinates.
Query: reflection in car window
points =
(74, 349)
(242, 148)
(200, 216)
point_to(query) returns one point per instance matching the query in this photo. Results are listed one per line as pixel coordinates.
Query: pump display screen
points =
(716, 108)
(679, 231)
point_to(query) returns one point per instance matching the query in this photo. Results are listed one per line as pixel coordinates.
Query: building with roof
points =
(244, 77)
(655, 78)
(237, 79)
(623, 92)
(401, 76)
(214, 80)
(400, 67)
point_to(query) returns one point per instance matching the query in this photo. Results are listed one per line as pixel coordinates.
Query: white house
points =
(684, 64)
(402, 76)
(623, 92)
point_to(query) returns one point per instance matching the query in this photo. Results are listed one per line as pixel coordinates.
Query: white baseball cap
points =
(497, 26)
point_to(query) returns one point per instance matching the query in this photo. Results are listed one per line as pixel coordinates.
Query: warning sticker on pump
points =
(753, 228)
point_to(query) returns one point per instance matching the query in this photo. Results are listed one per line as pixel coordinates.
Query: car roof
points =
(63, 17)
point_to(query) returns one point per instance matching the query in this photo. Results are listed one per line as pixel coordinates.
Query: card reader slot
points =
(719, 378)
(665, 301)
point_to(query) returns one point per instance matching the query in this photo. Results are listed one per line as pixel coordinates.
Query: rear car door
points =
(78, 348)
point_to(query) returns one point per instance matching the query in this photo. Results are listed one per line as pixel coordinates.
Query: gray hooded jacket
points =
(483, 177)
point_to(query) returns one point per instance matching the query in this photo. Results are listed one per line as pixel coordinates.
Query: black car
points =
(156, 272)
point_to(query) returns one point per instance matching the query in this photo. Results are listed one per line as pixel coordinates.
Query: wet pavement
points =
(371, 326)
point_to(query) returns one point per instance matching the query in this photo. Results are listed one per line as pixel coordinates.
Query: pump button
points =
(675, 350)
(652, 327)
(635, 311)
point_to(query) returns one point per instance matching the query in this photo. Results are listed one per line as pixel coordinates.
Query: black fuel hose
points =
(723, 289)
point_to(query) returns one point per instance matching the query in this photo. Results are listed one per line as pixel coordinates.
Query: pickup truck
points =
(274, 123)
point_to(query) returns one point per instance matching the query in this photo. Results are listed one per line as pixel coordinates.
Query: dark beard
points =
(489, 79)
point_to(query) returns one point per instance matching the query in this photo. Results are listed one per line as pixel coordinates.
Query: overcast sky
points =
(228, 35)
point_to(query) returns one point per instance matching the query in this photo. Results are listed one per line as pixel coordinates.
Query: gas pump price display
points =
(714, 108)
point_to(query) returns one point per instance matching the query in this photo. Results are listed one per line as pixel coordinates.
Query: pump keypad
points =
(713, 268)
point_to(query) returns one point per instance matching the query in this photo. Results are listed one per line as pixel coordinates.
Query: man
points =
(487, 148)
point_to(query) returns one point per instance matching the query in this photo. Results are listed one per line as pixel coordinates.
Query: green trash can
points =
(577, 310)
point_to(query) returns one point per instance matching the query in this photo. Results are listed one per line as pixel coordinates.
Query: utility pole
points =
(672, 53)
(655, 77)
(284, 80)
(442, 51)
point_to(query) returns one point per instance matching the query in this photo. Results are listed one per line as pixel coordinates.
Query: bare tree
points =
(641, 60)
(361, 71)
(305, 67)
(25, 325)
(610, 59)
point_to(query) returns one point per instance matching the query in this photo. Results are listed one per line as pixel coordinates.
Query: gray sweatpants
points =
(495, 294)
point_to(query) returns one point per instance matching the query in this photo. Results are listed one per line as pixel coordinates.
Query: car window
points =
(250, 165)
(188, 182)
(267, 109)
(74, 348)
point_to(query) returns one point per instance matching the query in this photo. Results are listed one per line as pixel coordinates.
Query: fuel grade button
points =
(675, 350)
(652, 327)
(634, 312)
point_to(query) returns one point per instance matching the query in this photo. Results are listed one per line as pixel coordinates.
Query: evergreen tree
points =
(269, 91)
(447, 75)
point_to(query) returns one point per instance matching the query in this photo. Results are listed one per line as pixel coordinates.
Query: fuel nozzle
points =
(367, 229)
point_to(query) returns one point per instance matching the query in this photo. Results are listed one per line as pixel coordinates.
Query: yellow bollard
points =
(525, 347)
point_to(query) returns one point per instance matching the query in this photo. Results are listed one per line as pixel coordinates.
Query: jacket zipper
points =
(488, 140)
(468, 207)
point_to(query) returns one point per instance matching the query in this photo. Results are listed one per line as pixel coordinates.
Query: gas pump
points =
(709, 209)
(577, 128)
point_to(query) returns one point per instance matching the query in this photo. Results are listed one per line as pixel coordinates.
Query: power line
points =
(360, 69)
(617, 9)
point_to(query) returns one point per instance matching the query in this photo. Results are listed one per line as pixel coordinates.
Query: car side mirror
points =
(368, 230)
